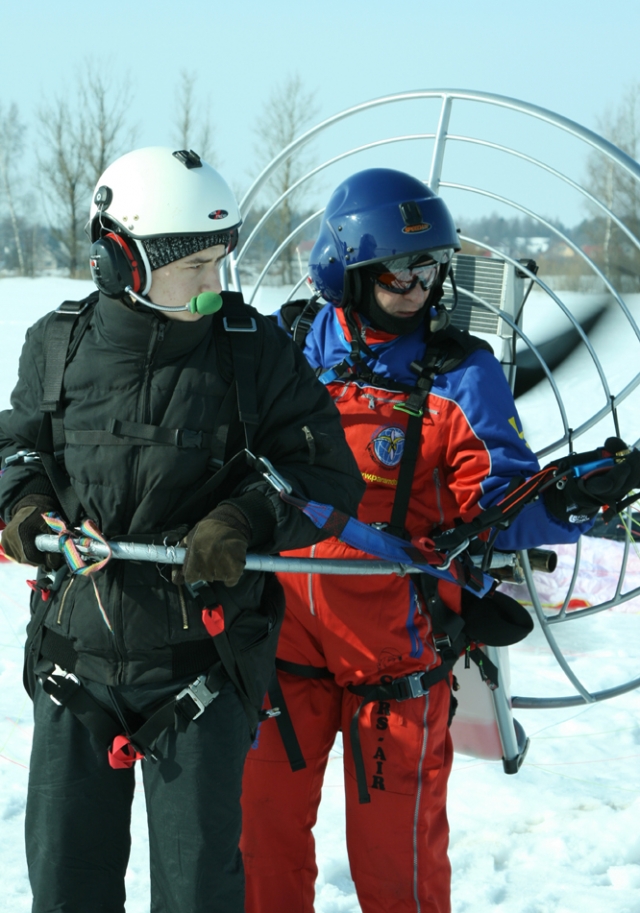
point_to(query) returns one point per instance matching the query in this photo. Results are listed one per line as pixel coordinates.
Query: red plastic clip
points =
(213, 620)
(37, 588)
(122, 754)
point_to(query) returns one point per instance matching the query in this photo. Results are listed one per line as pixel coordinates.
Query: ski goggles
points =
(393, 278)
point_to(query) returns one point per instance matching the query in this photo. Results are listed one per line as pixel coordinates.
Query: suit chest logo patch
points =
(387, 446)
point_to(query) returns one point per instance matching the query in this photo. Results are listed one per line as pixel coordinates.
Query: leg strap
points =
(65, 689)
(283, 719)
(417, 684)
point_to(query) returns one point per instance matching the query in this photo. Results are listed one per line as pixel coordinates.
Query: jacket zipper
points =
(373, 400)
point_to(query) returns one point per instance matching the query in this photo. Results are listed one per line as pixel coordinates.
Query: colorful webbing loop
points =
(70, 540)
(79, 565)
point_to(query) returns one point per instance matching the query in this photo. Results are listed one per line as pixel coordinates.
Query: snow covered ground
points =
(561, 836)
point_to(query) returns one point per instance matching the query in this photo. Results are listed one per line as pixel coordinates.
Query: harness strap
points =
(240, 327)
(417, 684)
(58, 339)
(406, 474)
(51, 436)
(304, 671)
(125, 748)
(285, 724)
(284, 721)
(124, 433)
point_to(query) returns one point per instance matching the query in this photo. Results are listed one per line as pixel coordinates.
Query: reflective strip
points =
(416, 813)
(312, 607)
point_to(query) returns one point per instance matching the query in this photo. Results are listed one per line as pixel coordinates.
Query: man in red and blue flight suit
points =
(383, 252)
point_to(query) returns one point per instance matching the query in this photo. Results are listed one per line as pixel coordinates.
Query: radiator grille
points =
(485, 278)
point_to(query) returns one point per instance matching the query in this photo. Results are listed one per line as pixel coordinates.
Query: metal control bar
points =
(170, 554)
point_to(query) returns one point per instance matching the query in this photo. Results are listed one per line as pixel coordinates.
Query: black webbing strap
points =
(51, 437)
(227, 414)
(398, 689)
(285, 724)
(70, 693)
(488, 671)
(283, 720)
(124, 433)
(241, 329)
(406, 474)
(303, 671)
(226, 478)
(58, 338)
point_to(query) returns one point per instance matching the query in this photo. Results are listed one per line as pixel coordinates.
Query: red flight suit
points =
(361, 629)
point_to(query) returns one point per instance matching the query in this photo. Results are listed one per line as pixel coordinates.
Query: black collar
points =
(131, 330)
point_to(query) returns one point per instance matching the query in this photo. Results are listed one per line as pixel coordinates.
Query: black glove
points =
(575, 500)
(19, 536)
(217, 545)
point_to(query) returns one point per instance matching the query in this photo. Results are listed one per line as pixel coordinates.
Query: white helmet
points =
(153, 206)
(155, 192)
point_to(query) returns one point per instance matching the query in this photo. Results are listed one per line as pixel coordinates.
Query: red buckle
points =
(213, 620)
(37, 588)
(122, 754)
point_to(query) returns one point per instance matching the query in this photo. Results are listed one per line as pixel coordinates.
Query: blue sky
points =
(576, 58)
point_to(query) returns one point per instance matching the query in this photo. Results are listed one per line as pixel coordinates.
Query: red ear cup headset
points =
(119, 263)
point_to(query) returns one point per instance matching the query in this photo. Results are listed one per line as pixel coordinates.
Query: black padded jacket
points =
(133, 366)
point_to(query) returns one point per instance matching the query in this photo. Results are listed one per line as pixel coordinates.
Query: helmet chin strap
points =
(206, 303)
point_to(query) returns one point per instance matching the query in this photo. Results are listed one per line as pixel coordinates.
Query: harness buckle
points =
(188, 439)
(59, 673)
(199, 694)
(410, 686)
(22, 456)
(240, 324)
(71, 307)
(441, 642)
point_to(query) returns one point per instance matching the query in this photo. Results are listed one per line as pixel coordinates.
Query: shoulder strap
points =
(446, 350)
(61, 345)
(298, 316)
(241, 330)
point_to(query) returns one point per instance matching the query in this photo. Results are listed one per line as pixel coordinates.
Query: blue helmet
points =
(377, 215)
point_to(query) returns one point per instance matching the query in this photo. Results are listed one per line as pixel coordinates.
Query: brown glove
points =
(19, 536)
(216, 547)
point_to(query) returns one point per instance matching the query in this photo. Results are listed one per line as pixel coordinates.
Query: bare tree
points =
(289, 109)
(62, 176)
(619, 258)
(102, 121)
(80, 139)
(193, 123)
(12, 132)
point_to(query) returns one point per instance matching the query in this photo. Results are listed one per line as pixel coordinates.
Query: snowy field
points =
(562, 836)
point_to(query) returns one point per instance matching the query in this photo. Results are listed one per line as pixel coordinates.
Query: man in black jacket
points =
(126, 408)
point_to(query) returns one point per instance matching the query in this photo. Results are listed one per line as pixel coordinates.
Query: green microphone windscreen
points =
(206, 303)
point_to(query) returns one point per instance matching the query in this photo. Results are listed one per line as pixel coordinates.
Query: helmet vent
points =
(189, 158)
(411, 213)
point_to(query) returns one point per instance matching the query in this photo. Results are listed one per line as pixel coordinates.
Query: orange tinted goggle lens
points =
(405, 279)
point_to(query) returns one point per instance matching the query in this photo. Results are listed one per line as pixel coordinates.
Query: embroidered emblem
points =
(387, 446)
(371, 477)
(514, 425)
